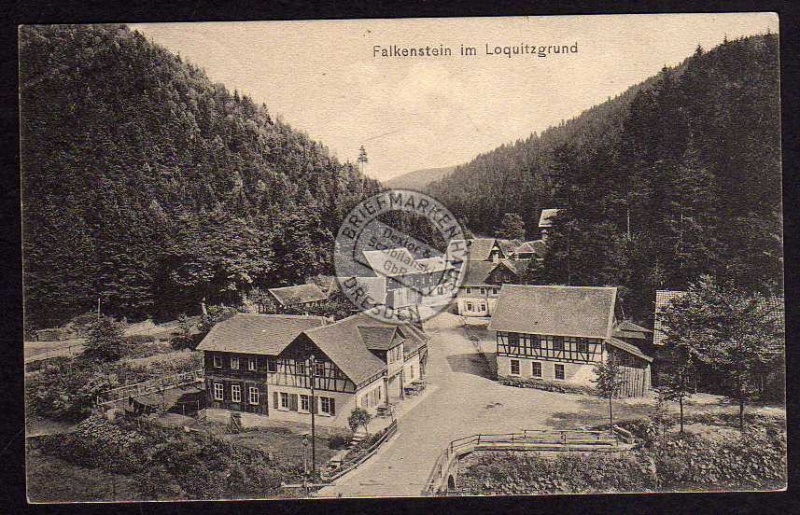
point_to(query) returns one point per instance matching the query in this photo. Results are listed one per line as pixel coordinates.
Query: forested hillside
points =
(678, 177)
(150, 187)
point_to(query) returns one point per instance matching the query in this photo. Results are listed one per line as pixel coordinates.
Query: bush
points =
(104, 341)
(66, 389)
(168, 463)
(547, 386)
(339, 441)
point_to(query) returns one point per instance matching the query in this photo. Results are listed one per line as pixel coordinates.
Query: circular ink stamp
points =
(398, 256)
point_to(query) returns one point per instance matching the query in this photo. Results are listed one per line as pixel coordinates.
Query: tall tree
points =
(512, 227)
(739, 333)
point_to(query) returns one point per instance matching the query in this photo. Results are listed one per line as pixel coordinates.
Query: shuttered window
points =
(293, 402)
(275, 400)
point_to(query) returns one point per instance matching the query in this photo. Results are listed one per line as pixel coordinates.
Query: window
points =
(513, 340)
(217, 361)
(583, 346)
(319, 369)
(558, 343)
(301, 368)
(251, 364)
(234, 363)
(380, 396)
(272, 365)
(559, 371)
(469, 306)
(514, 367)
(327, 405)
(304, 403)
(469, 290)
(252, 395)
(413, 372)
(536, 369)
(236, 393)
(483, 307)
(284, 400)
(495, 291)
(483, 291)
(219, 392)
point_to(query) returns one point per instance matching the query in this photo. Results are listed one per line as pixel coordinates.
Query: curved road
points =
(464, 400)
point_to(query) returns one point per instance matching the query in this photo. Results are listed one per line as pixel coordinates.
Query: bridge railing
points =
(528, 439)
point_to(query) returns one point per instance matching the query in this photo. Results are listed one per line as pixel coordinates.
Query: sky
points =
(412, 113)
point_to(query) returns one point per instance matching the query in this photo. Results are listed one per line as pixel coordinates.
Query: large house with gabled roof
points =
(266, 364)
(558, 334)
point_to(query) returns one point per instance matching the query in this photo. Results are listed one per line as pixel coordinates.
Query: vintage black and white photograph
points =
(402, 257)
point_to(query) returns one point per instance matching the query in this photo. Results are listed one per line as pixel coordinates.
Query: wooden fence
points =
(156, 385)
(347, 466)
(527, 440)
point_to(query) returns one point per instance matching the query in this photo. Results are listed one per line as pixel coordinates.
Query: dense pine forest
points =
(151, 188)
(679, 176)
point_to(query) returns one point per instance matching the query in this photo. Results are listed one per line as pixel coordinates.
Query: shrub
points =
(339, 441)
(66, 389)
(104, 341)
(547, 386)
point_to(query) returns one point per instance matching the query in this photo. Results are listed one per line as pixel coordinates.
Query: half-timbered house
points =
(559, 334)
(240, 353)
(310, 363)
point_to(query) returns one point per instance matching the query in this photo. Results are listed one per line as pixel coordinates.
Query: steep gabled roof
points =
(299, 294)
(476, 273)
(508, 246)
(581, 311)
(514, 266)
(480, 249)
(379, 337)
(342, 343)
(532, 247)
(257, 334)
(546, 218)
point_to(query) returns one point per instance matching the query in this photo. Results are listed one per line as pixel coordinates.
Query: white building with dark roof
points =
(558, 334)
